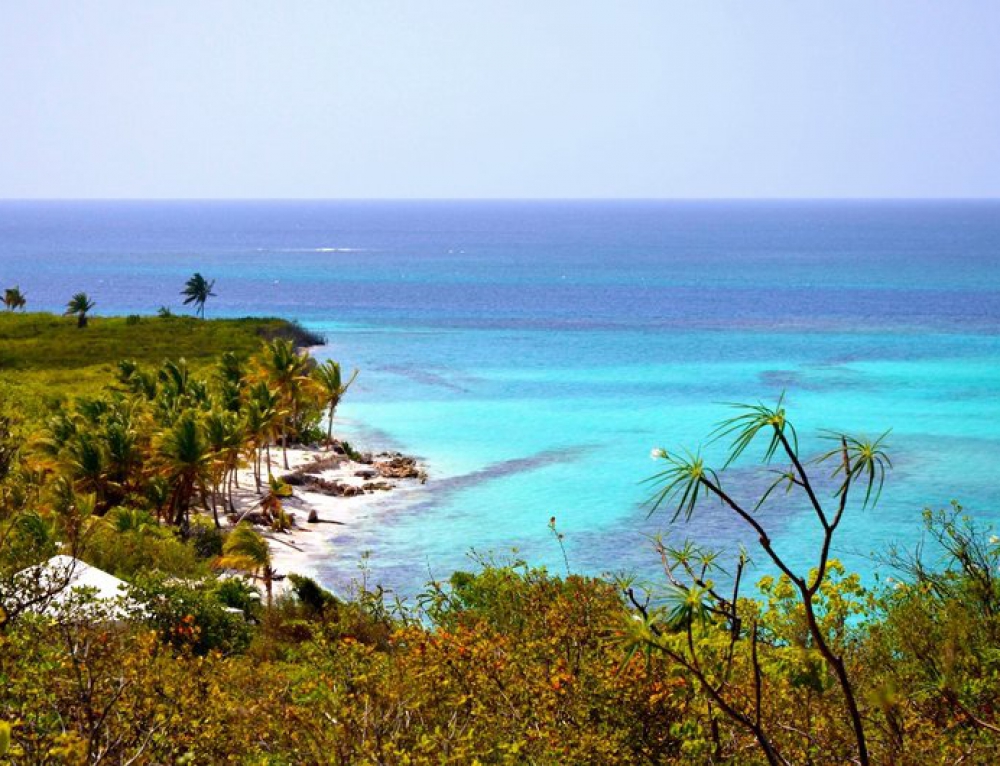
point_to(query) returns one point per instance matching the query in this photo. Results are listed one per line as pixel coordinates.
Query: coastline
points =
(333, 489)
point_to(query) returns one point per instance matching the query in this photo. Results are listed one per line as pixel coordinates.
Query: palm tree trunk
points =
(204, 502)
(174, 504)
(215, 509)
(256, 467)
(180, 500)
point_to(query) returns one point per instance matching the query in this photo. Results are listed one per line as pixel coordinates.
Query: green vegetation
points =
(44, 357)
(676, 632)
(506, 664)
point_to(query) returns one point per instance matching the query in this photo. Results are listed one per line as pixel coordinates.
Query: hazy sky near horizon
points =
(483, 98)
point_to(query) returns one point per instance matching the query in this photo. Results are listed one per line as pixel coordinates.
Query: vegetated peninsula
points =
(45, 356)
(155, 476)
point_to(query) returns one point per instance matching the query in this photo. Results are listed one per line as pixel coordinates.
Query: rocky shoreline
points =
(328, 489)
(376, 477)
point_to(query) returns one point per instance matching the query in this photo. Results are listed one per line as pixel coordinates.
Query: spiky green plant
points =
(686, 480)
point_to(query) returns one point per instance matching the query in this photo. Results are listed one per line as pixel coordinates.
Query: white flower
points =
(994, 539)
(657, 453)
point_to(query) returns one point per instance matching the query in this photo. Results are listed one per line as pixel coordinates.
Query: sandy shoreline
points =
(304, 547)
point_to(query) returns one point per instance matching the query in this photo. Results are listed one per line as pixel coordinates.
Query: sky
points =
(499, 99)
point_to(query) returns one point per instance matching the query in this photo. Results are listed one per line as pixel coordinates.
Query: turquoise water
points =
(533, 353)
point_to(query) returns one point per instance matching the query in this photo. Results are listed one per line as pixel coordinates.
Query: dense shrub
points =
(190, 615)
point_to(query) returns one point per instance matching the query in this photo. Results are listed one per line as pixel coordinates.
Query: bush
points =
(147, 548)
(314, 598)
(191, 615)
(237, 593)
(205, 538)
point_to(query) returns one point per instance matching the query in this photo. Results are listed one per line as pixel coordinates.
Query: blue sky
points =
(476, 98)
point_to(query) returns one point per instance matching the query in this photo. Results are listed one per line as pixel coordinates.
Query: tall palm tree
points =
(287, 371)
(79, 305)
(231, 375)
(124, 445)
(247, 550)
(185, 456)
(197, 290)
(263, 415)
(13, 298)
(225, 433)
(332, 389)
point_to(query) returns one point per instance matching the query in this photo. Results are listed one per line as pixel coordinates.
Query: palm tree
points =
(247, 550)
(225, 433)
(134, 520)
(185, 456)
(231, 375)
(87, 462)
(286, 370)
(198, 290)
(13, 298)
(123, 443)
(332, 389)
(79, 305)
(263, 414)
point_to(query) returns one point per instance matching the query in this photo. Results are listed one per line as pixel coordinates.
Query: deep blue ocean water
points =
(534, 352)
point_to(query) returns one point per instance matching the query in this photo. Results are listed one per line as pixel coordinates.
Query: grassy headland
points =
(46, 358)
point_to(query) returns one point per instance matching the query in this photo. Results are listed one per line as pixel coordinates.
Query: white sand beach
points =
(306, 545)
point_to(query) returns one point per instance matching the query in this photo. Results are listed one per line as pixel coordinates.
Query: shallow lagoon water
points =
(534, 353)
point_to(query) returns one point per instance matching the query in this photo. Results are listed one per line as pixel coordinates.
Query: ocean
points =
(533, 353)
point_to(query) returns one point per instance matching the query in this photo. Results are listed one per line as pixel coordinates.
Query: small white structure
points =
(75, 582)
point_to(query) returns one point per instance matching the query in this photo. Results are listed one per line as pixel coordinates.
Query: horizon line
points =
(506, 199)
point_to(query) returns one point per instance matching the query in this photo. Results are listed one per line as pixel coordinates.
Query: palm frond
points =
(686, 606)
(681, 483)
(786, 478)
(754, 418)
(867, 460)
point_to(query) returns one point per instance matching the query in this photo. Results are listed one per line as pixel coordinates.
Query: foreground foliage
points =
(503, 665)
